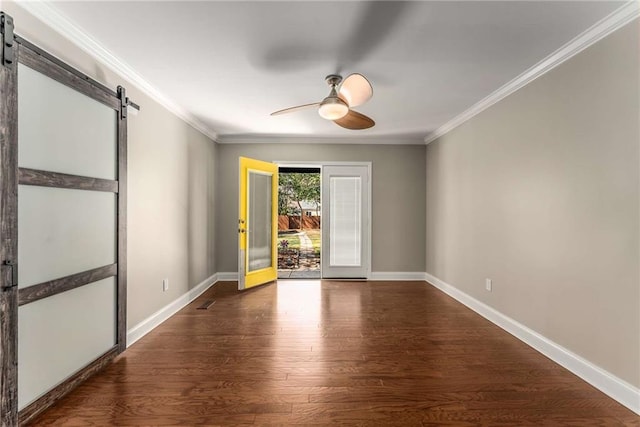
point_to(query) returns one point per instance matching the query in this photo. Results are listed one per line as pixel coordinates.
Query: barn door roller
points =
(8, 51)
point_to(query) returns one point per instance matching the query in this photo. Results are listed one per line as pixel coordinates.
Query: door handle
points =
(14, 273)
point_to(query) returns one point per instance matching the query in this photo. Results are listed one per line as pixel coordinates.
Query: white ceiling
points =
(230, 64)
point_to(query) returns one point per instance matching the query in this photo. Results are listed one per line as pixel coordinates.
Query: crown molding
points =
(309, 139)
(50, 16)
(616, 20)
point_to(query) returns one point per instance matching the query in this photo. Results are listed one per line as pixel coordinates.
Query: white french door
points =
(346, 221)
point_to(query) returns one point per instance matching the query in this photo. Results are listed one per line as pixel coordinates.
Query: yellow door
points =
(258, 223)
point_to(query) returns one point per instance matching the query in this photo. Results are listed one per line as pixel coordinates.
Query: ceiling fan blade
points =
(356, 90)
(296, 108)
(355, 121)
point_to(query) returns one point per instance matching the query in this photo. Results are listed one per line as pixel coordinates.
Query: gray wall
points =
(171, 186)
(541, 193)
(398, 203)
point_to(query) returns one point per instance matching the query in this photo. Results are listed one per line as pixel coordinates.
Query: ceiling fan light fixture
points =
(333, 108)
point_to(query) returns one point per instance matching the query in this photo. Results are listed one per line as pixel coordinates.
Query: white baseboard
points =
(397, 275)
(151, 322)
(228, 276)
(616, 388)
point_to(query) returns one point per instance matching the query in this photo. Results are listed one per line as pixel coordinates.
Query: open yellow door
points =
(258, 223)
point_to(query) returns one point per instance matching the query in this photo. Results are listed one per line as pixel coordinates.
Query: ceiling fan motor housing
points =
(333, 80)
(332, 107)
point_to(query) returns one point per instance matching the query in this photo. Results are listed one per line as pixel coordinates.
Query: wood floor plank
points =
(334, 353)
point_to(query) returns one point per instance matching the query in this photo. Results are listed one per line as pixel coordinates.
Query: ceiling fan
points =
(355, 90)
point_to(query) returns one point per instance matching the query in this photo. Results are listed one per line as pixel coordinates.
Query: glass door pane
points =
(59, 335)
(75, 134)
(259, 225)
(63, 232)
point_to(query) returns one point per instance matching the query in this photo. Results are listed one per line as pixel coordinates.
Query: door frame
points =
(320, 164)
(306, 166)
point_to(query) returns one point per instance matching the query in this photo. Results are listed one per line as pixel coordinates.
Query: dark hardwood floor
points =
(334, 353)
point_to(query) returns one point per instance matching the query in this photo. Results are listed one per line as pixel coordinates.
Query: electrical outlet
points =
(165, 285)
(488, 284)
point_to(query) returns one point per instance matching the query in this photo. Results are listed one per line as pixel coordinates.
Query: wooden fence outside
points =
(289, 222)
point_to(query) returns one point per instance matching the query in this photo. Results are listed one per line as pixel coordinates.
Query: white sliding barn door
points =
(62, 227)
(63, 231)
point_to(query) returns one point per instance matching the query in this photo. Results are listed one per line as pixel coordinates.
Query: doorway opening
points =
(299, 223)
